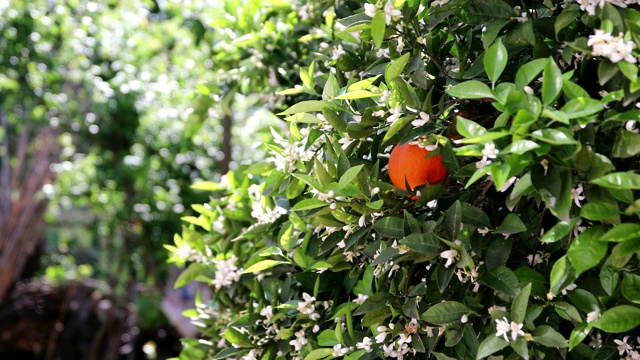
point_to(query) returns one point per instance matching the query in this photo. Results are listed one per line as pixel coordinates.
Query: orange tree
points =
(528, 249)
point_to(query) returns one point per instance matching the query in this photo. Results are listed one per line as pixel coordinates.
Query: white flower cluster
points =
(266, 214)
(633, 353)
(503, 327)
(615, 48)
(590, 5)
(291, 153)
(227, 272)
(400, 346)
(390, 12)
(308, 306)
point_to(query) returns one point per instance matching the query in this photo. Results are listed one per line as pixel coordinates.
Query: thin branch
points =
(5, 172)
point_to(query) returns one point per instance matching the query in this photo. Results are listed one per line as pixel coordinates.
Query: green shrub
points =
(528, 249)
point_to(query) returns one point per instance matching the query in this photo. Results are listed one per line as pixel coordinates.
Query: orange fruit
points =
(408, 162)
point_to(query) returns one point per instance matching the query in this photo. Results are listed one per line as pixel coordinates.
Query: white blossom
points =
(337, 52)
(370, 9)
(391, 13)
(577, 195)
(622, 345)
(307, 306)
(360, 299)
(590, 5)
(365, 344)
(338, 350)
(450, 255)
(299, 341)
(227, 272)
(395, 114)
(535, 259)
(490, 150)
(439, 2)
(516, 329)
(593, 316)
(614, 48)
(502, 328)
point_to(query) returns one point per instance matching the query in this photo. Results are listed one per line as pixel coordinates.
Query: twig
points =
(5, 173)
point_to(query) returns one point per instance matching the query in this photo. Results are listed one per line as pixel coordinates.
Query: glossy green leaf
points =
(529, 71)
(319, 354)
(622, 232)
(491, 345)
(445, 312)
(586, 251)
(520, 303)
(619, 319)
(390, 226)
(237, 338)
(469, 128)
(631, 287)
(495, 60)
(554, 137)
(191, 273)
(581, 107)
(619, 180)
(305, 106)
(551, 82)
(378, 27)
(502, 279)
(627, 144)
(472, 89)
(597, 210)
(545, 335)
(262, 265)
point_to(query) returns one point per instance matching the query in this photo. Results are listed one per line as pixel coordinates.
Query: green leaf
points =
(206, 186)
(586, 251)
(491, 345)
(469, 128)
(395, 69)
(559, 230)
(262, 265)
(445, 312)
(327, 338)
(378, 27)
(529, 71)
(425, 243)
(627, 144)
(520, 303)
(520, 147)
(190, 274)
(349, 175)
(581, 107)
(495, 60)
(619, 180)
(545, 335)
(609, 276)
(305, 106)
(622, 232)
(583, 300)
(619, 319)
(597, 210)
(237, 338)
(474, 216)
(503, 280)
(334, 120)
(511, 225)
(319, 354)
(554, 137)
(357, 94)
(551, 82)
(308, 204)
(304, 118)
(579, 333)
(453, 220)
(390, 226)
(631, 287)
(472, 89)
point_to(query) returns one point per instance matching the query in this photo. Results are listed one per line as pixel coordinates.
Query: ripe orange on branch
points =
(409, 162)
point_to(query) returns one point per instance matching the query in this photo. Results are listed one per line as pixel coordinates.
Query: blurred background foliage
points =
(144, 98)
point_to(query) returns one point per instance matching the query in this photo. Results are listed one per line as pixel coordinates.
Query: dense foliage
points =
(528, 249)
